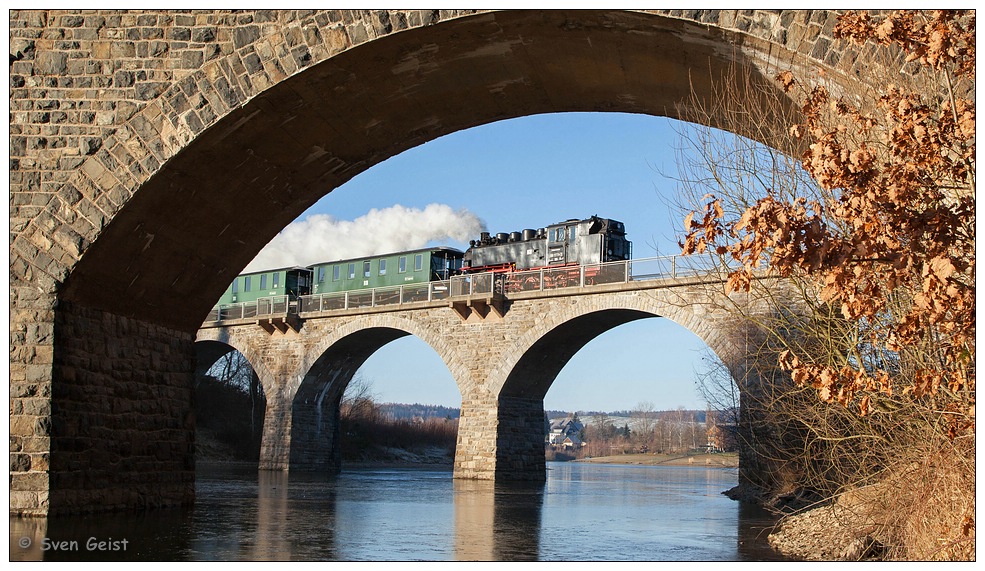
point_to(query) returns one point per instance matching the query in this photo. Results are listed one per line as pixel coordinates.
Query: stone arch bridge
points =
(153, 153)
(504, 354)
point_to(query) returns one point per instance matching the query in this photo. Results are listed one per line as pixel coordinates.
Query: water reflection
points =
(755, 525)
(583, 512)
(273, 534)
(497, 522)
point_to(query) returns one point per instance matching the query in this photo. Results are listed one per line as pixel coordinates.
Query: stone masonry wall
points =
(122, 432)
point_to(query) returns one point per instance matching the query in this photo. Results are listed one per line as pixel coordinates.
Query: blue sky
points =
(528, 173)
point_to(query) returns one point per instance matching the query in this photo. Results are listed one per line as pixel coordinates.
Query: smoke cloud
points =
(323, 238)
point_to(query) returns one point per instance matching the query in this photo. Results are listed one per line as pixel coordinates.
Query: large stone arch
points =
(138, 137)
(532, 363)
(225, 191)
(328, 367)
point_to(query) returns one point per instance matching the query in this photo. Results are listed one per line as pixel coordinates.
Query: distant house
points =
(722, 437)
(565, 432)
(571, 441)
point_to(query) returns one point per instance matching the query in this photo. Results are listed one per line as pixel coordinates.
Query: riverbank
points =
(389, 457)
(727, 460)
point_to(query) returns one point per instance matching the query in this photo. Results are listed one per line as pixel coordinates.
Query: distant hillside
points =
(408, 411)
(621, 415)
(399, 411)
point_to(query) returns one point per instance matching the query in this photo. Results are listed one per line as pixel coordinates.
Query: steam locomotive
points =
(565, 249)
(572, 242)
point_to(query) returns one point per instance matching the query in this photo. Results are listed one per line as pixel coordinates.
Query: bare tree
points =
(229, 382)
(359, 401)
(645, 421)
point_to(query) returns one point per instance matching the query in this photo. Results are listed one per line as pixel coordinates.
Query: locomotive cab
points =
(589, 241)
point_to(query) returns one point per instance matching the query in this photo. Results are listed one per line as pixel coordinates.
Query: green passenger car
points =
(292, 282)
(387, 270)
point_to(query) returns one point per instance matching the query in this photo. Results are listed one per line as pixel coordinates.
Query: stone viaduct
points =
(503, 363)
(153, 153)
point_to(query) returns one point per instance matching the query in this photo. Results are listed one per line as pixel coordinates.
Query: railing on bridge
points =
(393, 295)
(607, 273)
(490, 283)
(265, 306)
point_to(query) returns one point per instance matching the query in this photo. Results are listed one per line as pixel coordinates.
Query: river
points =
(584, 512)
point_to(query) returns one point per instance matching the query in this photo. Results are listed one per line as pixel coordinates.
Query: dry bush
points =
(365, 427)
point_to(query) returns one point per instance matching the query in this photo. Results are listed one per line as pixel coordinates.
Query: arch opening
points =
(521, 412)
(316, 420)
(230, 406)
(403, 407)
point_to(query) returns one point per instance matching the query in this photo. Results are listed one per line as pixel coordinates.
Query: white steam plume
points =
(323, 238)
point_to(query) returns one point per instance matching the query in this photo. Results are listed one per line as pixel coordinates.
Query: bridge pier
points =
(275, 445)
(314, 420)
(501, 439)
(120, 421)
(520, 439)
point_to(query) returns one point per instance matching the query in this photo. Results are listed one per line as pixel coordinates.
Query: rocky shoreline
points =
(429, 457)
(816, 531)
(826, 533)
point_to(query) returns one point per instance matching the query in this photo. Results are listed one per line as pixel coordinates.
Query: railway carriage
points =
(401, 268)
(245, 288)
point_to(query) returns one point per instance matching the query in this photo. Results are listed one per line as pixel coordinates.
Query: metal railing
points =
(489, 283)
(589, 275)
(375, 297)
(273, 305)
